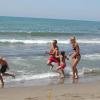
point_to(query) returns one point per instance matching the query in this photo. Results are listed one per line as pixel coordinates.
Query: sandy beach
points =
(77, 91)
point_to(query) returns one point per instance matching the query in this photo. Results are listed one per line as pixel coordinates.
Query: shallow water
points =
(24, 41)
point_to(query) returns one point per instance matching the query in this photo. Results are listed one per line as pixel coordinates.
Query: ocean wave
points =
(24, 41)
(44, 41)
(82, 72)
(38, 76)
(95, 56)
(91, 71)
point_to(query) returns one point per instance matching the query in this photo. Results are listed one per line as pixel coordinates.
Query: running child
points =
(62, 58)
(54, 52)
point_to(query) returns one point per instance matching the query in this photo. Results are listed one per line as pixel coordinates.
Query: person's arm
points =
(56, 53)
(7, 64)
(51, 52)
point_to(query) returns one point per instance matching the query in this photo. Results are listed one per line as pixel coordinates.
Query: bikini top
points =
(74, 49)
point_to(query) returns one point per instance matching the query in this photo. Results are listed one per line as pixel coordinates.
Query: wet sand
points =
(76, 91)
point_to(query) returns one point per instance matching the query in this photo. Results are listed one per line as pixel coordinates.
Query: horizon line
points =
(52, 18)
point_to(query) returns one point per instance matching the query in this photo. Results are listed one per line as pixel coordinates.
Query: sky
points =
(57, 9)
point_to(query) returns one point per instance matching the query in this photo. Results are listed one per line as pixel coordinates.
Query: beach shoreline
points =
(76, 91)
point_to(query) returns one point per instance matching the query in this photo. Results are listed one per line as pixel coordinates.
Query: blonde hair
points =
(73, 39)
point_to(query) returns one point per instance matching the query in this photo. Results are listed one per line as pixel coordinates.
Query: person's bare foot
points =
(2, 85)
(61, 76)
(76, 77)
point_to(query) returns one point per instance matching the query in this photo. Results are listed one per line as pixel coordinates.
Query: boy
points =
(54, 52)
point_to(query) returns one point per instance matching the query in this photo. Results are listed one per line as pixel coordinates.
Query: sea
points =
(24, 42)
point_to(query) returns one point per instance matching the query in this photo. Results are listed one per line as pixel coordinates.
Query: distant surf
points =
(85, 41)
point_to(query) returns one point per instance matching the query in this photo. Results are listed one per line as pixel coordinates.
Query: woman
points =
(75, 56)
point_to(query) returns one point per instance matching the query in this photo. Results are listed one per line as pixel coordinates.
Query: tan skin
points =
(3, 62)
(62, 60)
(53, 52)
(75, 58)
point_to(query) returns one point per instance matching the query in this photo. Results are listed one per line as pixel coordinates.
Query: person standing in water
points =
(3, 69)
(54, 52)
(75, 56)
(62, 66)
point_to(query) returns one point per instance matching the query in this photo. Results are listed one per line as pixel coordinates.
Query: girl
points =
(62, 58)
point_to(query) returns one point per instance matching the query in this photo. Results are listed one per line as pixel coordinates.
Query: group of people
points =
(60, 57)
(56, 56)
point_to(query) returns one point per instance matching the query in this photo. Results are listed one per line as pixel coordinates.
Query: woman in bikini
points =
(54, 52)
(75, 56)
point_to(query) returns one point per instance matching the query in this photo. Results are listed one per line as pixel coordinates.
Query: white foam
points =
(38, 76)
(95, 56)
(24, 41)
(42, 41)
(90, 70)
(82, 72)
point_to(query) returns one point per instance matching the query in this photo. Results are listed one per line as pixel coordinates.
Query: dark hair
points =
(62, 53)
(55, 41)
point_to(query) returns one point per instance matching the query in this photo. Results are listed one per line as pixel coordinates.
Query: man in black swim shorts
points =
(3, 69)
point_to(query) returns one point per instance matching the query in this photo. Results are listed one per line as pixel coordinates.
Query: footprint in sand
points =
(31, 98)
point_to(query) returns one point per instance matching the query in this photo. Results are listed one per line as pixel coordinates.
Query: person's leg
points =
(74, 66)
(52, 59)
(77, 61)
(49, 63)
(1, 80)
(61, 72)
(73, 72)
(73, 69)
(9, 74)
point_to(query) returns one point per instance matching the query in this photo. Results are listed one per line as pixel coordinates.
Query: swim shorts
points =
(3, 68)
(53, 59)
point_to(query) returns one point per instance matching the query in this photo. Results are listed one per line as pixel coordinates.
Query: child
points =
(62, 58)
(3, 69)
(54, 52)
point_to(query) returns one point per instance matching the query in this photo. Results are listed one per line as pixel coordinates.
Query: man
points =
(3, 69)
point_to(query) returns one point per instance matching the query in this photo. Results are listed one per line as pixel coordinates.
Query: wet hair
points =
(62, 53)
(55, 41)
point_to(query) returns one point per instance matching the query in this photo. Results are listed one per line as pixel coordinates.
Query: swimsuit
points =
(53, 59)
(3, 68)
(63, 65)
(78, 55)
